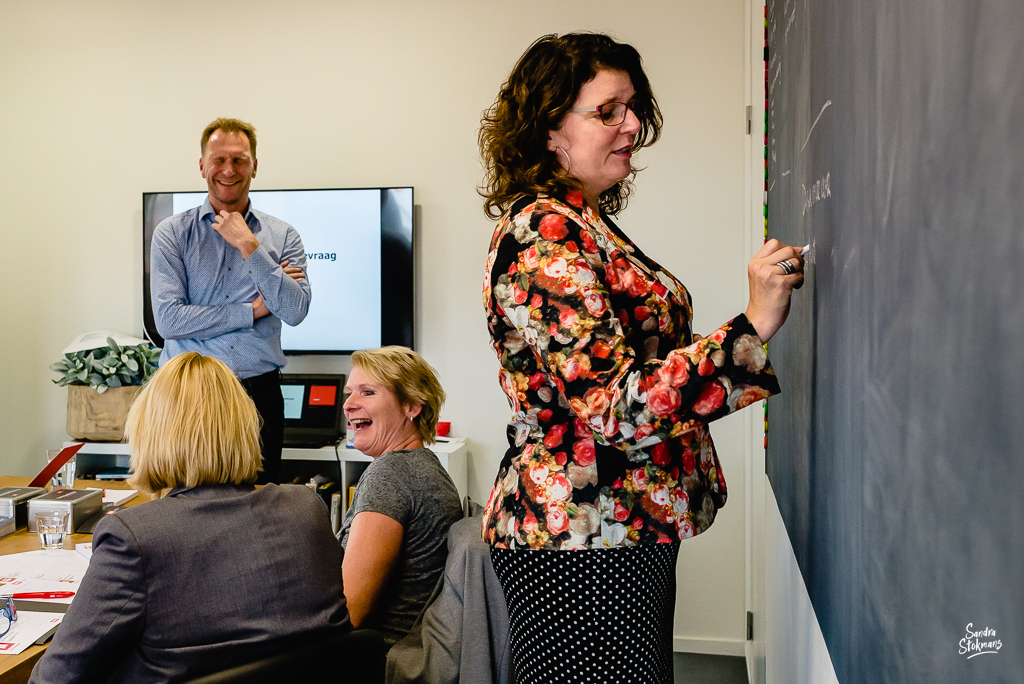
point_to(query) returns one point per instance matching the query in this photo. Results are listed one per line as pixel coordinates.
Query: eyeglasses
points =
(9, 611)
(612, 113)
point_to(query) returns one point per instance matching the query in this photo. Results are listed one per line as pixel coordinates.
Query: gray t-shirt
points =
(411, 487)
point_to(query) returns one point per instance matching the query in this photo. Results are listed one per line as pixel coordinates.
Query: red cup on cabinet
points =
(443, 428)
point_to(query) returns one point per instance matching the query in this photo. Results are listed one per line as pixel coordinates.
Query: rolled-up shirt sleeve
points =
(176, 318)
(284, 297)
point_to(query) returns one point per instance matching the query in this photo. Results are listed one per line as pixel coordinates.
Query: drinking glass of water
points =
(52, 526)
(65, 477)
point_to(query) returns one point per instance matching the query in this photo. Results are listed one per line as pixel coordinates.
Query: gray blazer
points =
(197, 581)
(462, 634)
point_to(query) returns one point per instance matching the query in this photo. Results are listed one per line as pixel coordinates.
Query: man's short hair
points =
(192, 425)
(410, 379)
(229, 126)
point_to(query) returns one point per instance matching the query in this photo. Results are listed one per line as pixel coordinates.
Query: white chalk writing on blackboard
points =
(816, 120)
(819, 190)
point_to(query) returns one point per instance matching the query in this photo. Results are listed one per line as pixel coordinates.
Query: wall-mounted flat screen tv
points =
(359, 251)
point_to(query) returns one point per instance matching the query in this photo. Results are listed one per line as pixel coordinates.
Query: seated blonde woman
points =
(395, 531)
(214, 573)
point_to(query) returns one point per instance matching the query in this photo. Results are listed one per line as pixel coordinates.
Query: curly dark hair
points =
(540, 91)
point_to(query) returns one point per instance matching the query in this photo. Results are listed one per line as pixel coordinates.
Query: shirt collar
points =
(211, 491)
(207, 210)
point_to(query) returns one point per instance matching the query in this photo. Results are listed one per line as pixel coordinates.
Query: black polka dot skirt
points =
(599, 615)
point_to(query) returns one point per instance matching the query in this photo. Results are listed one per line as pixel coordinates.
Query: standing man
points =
(223, 277)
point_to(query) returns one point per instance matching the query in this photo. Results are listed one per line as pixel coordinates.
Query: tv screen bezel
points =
(398, 297)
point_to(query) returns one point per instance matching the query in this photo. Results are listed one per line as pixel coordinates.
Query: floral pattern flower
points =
(610, 391)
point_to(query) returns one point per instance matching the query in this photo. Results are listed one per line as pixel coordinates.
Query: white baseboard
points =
(725, 647)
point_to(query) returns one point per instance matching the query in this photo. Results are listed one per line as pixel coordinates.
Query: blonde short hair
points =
(228, 126)
(192, 425)
(410, 379)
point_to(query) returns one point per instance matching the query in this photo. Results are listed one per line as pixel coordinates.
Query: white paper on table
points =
(98, 338)
(60, 570)
(84, 549)
(116, 496)
(27, 630)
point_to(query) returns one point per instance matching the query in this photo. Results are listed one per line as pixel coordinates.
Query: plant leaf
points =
(109, 366)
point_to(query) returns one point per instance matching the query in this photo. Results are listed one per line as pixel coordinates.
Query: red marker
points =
(44, 595)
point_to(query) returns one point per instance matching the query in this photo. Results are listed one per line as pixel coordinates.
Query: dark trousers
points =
(265, 391)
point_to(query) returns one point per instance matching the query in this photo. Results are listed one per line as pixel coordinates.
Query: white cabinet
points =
(451, 452)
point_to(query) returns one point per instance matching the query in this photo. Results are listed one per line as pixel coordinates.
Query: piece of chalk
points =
(805, 250)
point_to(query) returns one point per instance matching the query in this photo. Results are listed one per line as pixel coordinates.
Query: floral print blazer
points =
(610, 391)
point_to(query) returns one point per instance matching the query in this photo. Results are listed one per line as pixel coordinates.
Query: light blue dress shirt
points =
(202, 290)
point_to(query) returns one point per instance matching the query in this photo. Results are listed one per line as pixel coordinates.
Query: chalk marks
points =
(823, 108)
(819, 190)
(892, 175)
(783, 151)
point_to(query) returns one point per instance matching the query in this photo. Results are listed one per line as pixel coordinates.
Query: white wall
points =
(102, 101)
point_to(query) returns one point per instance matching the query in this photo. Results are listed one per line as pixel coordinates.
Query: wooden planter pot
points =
(99, 417)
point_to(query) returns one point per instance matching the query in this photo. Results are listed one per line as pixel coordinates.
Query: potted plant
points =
(103, 382)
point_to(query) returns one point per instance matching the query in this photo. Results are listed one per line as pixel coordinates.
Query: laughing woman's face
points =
(380, 423)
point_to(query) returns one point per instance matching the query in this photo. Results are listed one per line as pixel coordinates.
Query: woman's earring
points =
(568, 162)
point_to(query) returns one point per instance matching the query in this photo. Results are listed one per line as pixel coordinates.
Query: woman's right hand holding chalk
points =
(774, 272)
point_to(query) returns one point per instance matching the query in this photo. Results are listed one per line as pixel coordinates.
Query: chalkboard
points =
(896, 450)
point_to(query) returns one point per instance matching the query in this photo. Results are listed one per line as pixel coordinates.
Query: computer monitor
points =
(312, 409)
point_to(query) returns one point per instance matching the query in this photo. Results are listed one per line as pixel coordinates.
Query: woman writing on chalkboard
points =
(610, 462)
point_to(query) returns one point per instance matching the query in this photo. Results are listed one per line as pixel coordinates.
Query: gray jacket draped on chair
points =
(462, 634)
